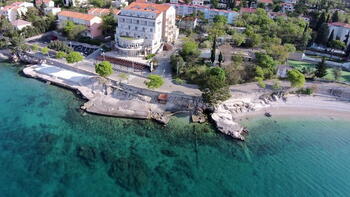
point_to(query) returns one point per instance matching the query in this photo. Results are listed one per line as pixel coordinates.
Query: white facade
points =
(143, 27)
(341, 31)
(13, 12)
(120, 3)
(185, 10)
(52, 10)
(75, 2)
(197, 2)
(287, 7)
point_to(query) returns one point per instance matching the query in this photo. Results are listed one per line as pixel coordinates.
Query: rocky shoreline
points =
(106, 98)
(224, 114)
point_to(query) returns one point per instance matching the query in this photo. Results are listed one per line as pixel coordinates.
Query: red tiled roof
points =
(339, 24)
(102, 11)
(265, 1)
(82, 16)
(20, 22)
(147, 7)
(17, 3)
(39, 2)
(248, 10)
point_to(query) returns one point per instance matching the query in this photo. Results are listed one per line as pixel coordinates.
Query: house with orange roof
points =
(47, 3)
(21, 24)
(15, 10)
(103, 12)
(340, 31)
(92, 23)
(144, 27)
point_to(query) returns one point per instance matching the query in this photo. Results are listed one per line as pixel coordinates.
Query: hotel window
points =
(151, 29)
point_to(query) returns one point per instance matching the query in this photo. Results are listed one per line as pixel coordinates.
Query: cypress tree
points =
(331, 37)
(321, 20)
(213, 50)
(220, 58)
(321, 69)
(335, 16)
(322, 35)
(347, 38)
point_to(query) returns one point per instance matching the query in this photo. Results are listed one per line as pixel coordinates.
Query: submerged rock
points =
(87, 154)
(168, 153)
(46, 143)
(131, 172)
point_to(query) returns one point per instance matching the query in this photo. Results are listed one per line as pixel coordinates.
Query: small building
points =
(52, 10)
(247, 10)
(340, 31)
(47, 3)
(163, 98)
(265, 2)
(287, 7)
(120, 3)
(188, 22)
(274, 15)
(282, 71)
(15, 10)
(92, 23)
(20, 24)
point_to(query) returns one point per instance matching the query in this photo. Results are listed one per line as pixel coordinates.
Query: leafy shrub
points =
(35, 47)
(276, 85)
(155, 81)
(179, 81)
(61, 54)
(59, 46)
(260, 82)
(104, 68)
(150, 56)
(73, 57)
(44, 50)
(307, 91)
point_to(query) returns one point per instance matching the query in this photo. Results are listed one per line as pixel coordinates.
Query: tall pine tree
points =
(321, 69)
(320, 21)
(213, 51)
(335, 17)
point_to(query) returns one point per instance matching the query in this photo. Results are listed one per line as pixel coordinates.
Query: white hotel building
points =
(144, 27)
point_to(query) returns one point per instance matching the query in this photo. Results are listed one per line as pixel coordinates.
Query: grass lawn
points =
(345, 76)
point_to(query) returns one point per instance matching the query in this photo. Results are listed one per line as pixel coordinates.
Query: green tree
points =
(73, 57)
(267, 64)
(322, 35)
(213, 51)
(104, 68)
(214, 87)
(321, 69)
(190, 49)
(336, 45)
(321, 20)
(296, 78)
(60, 55)
(154, 81)
(108, 24)
(72, 30)
(238, 39)
(331, 36)
(35, 47)
(336, 73)
(335, 16)
(45, 50)
(220, 58)
(220, 19)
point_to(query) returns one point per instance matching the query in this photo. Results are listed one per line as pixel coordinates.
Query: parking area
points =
(85, 50)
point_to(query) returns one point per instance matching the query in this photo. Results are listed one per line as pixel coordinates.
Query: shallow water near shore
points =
(48, 147)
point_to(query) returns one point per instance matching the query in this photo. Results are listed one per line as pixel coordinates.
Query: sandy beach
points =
(317, 105)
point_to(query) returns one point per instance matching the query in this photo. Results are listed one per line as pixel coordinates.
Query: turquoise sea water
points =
(48, 147)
